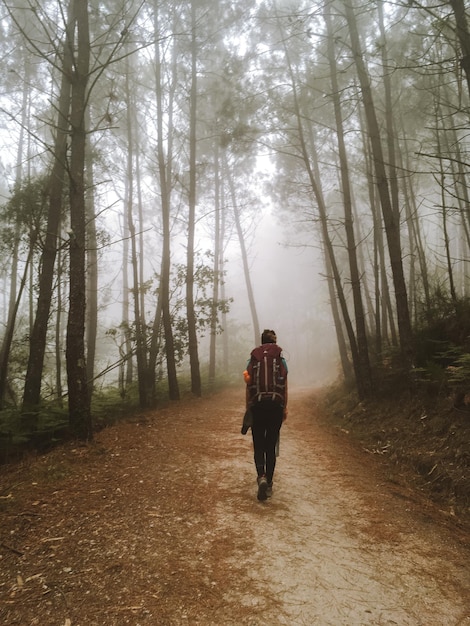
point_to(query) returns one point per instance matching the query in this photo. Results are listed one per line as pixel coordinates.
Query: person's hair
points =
(268, 336)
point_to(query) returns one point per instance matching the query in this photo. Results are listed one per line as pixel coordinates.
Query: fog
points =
(290, 291)
(249, 112)
(291, 297)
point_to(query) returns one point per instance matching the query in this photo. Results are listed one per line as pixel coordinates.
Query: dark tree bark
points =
(190, 312)
(216, 268)
(141, 349)
(9, 331)
(384, 319)
(165, 171)
(32, 388)
(79, 397)
(225, 339)
(391, 224)
(15, 294)
(126, 367)
(92, 265)
(463, 33)
(59, 330)
(310, 162)
(389, 117)
(417, 248)
(361, 333)
(444, 210)
(244, 253)
(348, 371)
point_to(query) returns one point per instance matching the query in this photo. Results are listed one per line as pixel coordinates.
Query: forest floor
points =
(157, 523)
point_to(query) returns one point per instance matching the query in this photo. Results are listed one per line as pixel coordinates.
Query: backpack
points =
(267, 374)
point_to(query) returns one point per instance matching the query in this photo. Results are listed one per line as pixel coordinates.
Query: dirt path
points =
(158, 523)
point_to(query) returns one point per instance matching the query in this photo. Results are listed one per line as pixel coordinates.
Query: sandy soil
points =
(157, 523)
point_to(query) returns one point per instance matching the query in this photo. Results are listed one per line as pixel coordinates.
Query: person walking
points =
(266, 398)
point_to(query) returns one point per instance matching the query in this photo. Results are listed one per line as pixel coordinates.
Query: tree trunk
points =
(32, 388)
(416, 243)
(463, 33)
(389, 123)
(59, 331)
(9, 331)
(225, 335)
(311, 166)
(216, 268)
(392, 226)
(14, 297)
(244, 253)
(164, 170)
(361, 333)
(348, 372)
(92, 264)
(79, 398)
(383, 312)
(190, 312)
(126, 366)
(140, 349)
(443, 190)
(155, 345)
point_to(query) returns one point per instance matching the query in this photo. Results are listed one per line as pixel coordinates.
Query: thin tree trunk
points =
(443, 186)
(14, 297)
(9, 331)
(126, 367)
(92, 265)
(463, 33)
(190, 312)
(389, 123)
(348, 372)
(216, 268)
(164, 170)
(79, 397)
(225, 335)
(413, 251)
(155, 344)
(392, 225)
(244, 253)
(32, 388)
(140, 213)
(59, 331)
(136, 288)
(362, 263)
(462, 197)
(314, 180)
(412, 217)
(361, 334)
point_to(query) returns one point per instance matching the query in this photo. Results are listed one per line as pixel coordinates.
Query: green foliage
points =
(448, 375)
(460, 372)
(204, 278)
(109, 406)
(443, 345)
(432, 377)
(49, 425)
(444, 320)
(24, 214)
(17, 362)
(38, 430)
(439, 306)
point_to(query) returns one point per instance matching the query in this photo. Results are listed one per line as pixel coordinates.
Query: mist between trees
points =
(177, 176)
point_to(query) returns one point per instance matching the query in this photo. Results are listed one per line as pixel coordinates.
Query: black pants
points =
(267, 422)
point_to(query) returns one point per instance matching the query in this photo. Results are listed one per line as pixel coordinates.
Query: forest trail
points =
(157, 523)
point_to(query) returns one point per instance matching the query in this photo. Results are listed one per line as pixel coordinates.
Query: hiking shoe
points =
(262, 488)
(269, 490)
